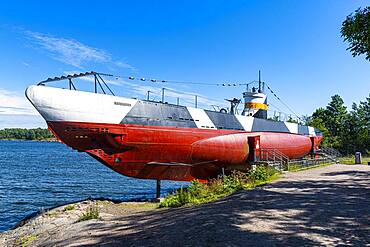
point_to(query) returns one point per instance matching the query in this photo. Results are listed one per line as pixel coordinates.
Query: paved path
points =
(323, 206)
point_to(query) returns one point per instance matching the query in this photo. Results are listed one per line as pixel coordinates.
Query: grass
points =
(90, 213)
(69, 207)
(52, 214)
(350, 160)
(197, 193)
(130, 205)
(297, 168)
(138, 205)
(26, 240)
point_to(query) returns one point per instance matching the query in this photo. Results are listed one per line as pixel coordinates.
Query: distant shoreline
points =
(38, 134)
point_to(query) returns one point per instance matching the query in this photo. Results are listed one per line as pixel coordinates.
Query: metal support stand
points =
(158, 191)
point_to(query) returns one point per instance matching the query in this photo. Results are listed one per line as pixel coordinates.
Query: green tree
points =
(318, 120)
(347, 131)
(356, 31)
(361, 119)
(330, 121)
(291, 120)
(336, 113)
(356, 133)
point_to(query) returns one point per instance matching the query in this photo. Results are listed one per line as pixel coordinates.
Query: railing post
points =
(96, 89)
(148, 95)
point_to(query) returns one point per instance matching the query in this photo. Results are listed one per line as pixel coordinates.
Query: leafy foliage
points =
(356, 30)
(91, 213)
(197, 192)
(260, 174)
(290, 120)
(26, 240)
(69, 207)
(26, 134)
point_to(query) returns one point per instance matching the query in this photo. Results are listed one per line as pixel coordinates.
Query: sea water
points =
(35, 176)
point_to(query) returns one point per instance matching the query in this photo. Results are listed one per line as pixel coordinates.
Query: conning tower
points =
(255, 101)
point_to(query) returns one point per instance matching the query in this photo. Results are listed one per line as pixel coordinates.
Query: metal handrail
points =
(271, 154)
(98, 81)
(330, 151)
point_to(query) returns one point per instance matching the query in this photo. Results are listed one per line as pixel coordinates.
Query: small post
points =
(163, 95)
(196, 101)
(158, 190)
(148, 97)
(223, 172)
(96, 89)
(358, 158)
(178, 101)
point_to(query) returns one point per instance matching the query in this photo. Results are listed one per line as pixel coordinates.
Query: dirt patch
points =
(323, 206)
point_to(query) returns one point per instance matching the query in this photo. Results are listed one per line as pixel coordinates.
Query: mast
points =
(259, 82)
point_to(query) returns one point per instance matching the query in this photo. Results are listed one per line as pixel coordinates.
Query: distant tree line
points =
(347, 131)
(26, 134)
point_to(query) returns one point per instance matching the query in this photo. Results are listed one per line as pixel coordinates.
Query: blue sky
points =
(296, 44)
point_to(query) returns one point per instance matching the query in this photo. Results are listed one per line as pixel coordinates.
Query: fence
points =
(274, 158)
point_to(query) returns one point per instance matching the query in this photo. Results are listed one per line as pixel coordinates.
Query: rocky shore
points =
(65, 221)
(322, 206)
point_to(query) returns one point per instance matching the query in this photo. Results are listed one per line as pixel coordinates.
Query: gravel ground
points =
(327, 206)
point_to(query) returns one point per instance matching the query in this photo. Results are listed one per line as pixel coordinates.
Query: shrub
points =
(198, 192)
(69, 207)
(26, 240)
(90, 213)
(259, 174)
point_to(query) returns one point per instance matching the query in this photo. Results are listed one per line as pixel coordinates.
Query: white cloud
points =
(17, 112)
(73, 52)
(124, 65)
(15, 103)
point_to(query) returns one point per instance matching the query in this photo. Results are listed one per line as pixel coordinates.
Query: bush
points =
(259, 174)
(198, 192)
(91, 213)
(69, 207)
(26, 240)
